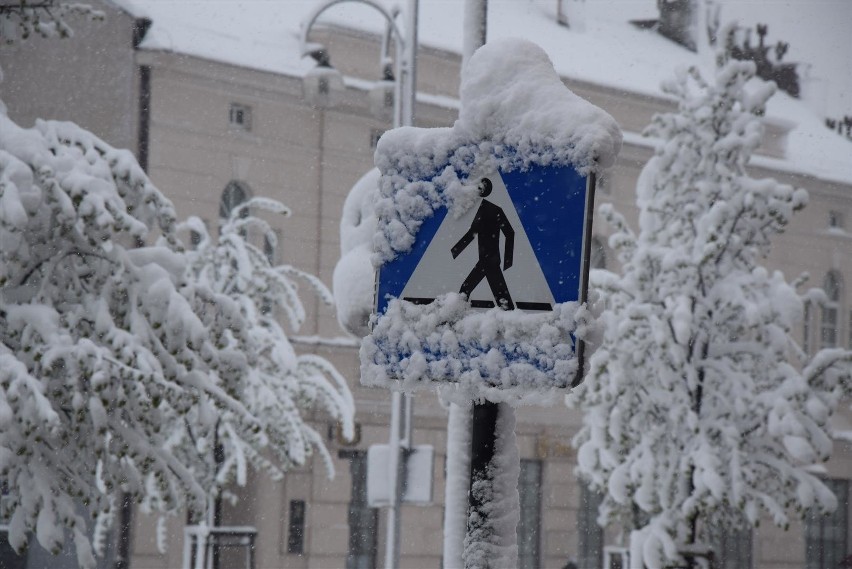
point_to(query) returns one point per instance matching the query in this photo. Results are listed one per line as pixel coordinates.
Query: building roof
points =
(607, 50)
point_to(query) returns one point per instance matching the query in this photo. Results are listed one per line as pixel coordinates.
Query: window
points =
(323, 86)
(239, 117)
(849, 329)
(296, 528)
(806, 328)
(590, 550)
(269, 253)
(829, 324)
(375, 135)
(269, 250)
(195, 237)
(234, 194)
(363, 520)
(825, 534)
(529, 526)
(733, 549)
(8, 558)
(835, 220)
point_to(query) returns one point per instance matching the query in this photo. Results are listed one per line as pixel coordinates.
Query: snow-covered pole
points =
(457, 483)
(486, 415)
(459, 424)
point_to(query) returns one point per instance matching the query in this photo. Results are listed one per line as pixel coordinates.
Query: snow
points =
(354, 276)
(608, 51)
(457, 482)
(511, 96)
(498, 355)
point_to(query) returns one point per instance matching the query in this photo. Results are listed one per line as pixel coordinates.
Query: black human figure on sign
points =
(487, 225)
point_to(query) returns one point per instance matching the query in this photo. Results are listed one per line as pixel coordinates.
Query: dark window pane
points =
(363, 520)
(233, 195)
(825, 534)
(590, 555)
(8, 558)
(733, 549)
(529, 525)
(296, 527)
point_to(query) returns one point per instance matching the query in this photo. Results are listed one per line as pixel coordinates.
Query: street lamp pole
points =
(403, 115)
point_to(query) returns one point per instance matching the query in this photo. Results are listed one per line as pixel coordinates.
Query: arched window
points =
(233, 195)
(269, 253)
(830, 323)
(807, 327)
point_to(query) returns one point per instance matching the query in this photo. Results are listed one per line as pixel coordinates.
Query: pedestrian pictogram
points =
(504, 251)
(488, 223)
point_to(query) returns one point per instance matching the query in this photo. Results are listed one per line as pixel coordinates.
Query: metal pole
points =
(401, 404)
(396, 472)
(475, 27)
(410, 60)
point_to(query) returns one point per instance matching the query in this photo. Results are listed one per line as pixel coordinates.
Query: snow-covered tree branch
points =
(46, 18)
(121, 363)
(701, 409)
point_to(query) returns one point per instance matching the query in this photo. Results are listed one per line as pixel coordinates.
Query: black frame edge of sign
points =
(584, 269)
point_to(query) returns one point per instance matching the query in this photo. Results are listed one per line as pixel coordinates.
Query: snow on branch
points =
(45, 18)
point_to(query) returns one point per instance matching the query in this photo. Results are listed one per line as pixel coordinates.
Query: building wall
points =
(90, 79)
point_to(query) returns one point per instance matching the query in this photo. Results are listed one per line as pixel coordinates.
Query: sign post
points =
(482, 251)
(523, 248)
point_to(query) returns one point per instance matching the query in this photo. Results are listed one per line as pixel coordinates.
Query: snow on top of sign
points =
(511, 94)
(515, 112)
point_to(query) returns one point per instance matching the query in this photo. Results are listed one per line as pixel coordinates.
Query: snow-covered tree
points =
(46, 18)
(701, 411)
(123, 357)
(279, 383)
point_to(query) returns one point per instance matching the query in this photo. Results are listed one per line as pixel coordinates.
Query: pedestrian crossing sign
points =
(523, 246)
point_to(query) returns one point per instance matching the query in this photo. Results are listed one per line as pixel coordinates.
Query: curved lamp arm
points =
(307, 47)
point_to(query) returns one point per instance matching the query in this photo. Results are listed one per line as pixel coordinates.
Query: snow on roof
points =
(609, 51)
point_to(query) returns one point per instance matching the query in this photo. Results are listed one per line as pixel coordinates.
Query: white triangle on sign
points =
(439, 273)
